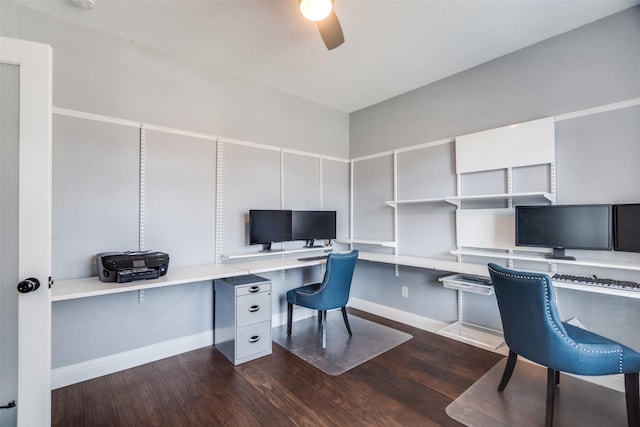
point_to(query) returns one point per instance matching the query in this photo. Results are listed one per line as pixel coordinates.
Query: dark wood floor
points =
(410, 385)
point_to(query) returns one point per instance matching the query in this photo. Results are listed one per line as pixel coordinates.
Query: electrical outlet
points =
(405, 291)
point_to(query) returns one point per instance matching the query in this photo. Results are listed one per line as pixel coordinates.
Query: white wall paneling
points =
(485, 228)
(521, 144)
(95, 193)
(180, 187)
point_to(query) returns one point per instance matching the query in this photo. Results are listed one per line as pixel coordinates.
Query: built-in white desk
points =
(274, 264)
(476, 334)
(481, 270)
(92, 286)
(428, 263)
(244, 264)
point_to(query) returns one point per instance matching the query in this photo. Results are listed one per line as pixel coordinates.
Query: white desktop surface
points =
(92, 286)
(481, 270)
(274, 264)
(428, 263)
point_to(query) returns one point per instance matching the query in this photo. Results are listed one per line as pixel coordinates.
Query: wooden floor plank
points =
(67, 406)
(96, 394)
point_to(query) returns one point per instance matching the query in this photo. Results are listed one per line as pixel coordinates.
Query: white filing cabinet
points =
(243, 317)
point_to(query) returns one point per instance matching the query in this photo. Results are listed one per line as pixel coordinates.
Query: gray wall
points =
(596, 159)
(93, 72)
(593, 65)
(96, 177)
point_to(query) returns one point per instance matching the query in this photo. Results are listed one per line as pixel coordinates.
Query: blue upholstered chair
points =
(533, 329)
(332, 292)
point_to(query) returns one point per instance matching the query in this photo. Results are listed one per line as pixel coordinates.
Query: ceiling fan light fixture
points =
(316, 10)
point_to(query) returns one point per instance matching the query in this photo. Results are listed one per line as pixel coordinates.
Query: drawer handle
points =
(254, 289)
(254, 308)
(254, 339)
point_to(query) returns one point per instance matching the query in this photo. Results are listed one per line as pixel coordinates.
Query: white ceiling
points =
(391, 47)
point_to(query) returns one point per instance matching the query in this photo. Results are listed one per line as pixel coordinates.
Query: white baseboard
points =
(83, 371)
(417, 321)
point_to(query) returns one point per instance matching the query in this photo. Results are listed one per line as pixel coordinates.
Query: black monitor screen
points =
(310, 225)
(626, 228)
(564, 227)
(266, 226)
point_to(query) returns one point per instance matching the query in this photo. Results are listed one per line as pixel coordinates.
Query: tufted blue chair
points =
(532, 329)
(332, 292)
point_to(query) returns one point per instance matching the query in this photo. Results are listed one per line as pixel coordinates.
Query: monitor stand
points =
(558, 253)
(266, 247)
(310, 244)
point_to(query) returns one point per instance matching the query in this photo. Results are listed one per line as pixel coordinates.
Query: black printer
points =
(123, 267)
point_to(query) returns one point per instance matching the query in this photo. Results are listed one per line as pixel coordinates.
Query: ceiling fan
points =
(322, 12)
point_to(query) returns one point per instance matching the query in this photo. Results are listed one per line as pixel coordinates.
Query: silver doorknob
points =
(28, 285)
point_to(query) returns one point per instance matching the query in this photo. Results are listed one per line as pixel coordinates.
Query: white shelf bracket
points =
(281, 179)
(395, 211)
(321, 172)
(510, 187)
(351, 167)
(219, 198)
(552, 180)
(141, 200)
(282, 199)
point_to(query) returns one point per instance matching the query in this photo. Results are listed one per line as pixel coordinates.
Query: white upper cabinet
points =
(522, 144)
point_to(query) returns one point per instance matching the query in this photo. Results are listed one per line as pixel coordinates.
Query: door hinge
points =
(50, 282)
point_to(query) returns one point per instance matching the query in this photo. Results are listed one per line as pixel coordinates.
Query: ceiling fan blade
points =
(331, 31)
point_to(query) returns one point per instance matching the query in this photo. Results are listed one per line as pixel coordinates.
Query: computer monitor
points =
(312, 225)
(268, 226)
(626, 227)
(563, 227)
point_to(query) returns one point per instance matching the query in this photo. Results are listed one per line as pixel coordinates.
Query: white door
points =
(25, 233)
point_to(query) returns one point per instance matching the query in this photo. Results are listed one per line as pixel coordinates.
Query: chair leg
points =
(508, 370)
(346, 320)
(289, 317)
(324, 329)
(551, 389)
(319, 317)
(632, 394)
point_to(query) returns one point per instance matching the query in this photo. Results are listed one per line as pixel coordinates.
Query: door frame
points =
(34, 230)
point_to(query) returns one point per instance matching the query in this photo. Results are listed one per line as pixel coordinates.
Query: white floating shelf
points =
(428, 263)
(245, 255)
(92, 286)
(479, 335)
(388, 244)
(460, 283)
(395, 203)
(456, 200)
(588, 263)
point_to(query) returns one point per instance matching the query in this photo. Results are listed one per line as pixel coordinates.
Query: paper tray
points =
(469, 283)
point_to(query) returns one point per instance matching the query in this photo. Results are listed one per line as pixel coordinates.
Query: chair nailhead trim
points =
(555, 326)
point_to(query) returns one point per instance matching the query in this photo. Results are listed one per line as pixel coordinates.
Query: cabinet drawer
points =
(253, 339)
(253, 289)
(253, 308)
